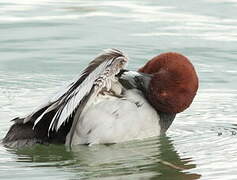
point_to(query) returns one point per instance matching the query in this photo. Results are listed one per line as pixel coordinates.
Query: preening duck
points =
(109, 104)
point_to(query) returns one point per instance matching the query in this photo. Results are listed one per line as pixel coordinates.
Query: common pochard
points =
(109, 104)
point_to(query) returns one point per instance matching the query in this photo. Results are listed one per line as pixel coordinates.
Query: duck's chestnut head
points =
(174, 82)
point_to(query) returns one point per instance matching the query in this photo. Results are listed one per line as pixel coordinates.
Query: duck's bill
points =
(135, 80)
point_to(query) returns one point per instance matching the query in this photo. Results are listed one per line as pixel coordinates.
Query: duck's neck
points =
(166, 120)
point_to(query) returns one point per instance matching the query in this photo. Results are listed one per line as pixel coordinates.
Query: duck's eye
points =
(163, 93)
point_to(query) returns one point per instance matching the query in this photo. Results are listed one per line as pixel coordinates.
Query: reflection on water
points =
(150, 159)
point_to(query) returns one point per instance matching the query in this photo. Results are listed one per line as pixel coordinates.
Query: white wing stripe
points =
(79, 93)
(100, 76)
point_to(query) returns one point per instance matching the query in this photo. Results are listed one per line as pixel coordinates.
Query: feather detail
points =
(49, 109)
(37, 112)
(98, 75)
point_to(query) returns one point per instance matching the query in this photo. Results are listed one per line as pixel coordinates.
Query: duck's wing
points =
(72, 99)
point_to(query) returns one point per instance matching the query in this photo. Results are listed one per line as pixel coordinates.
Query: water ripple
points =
(46, 43)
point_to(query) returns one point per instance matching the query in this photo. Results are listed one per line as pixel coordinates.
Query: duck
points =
(109, 104)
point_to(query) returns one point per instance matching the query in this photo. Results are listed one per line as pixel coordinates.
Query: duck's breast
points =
(112, 119)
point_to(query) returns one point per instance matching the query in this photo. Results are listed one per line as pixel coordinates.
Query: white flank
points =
(112, 120)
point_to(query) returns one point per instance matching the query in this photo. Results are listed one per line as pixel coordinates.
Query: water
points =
(45, 43)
